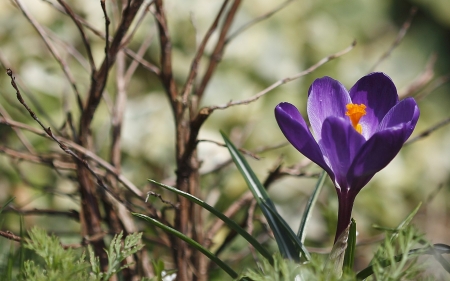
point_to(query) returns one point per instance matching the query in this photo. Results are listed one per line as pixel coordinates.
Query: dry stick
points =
(139, 21)
(65, 148)
(406, 25)
(147, 65)
(427, 132)
(434, 86)
(18, 132)
(135, 63)
(73, 214)
(421, 80)
(86, 43)
(38, 159)
(52, 50)
(257, 20)
(11, 236)
(216, 56)
(244, 151)
(284, 81)
(201, 49)
(84, 151)
(107, 22)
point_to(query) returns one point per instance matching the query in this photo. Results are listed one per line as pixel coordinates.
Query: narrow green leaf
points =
(6, 203)
(233, 225)
(285, 244)
(191, 242)
(351, 246)
(309, 206)
(291, 233)
(409, 218)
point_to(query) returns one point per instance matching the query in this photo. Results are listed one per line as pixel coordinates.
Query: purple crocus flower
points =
(356, 133)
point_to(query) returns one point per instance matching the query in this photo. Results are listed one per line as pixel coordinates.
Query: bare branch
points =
(285, 80)
(399, 38)
(257, 20)
(216, 56)
(421, 80)
(52, 50)
(194, 65)
(42, 212)
(84, 151)
(64, 147)
(86, 43)
(430, 130)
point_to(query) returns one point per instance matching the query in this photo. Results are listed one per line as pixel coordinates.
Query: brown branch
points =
(52, 50)
(257, 20)
(421, 80)
(11, 236)
(166, 53)
(64, 147)
(175, 206)
(40, 212)
(430, 130)
(437, 83)
(406, 25)
(201, 49)
(99, 79)
(86, 43)
(147, 65)
(80, 149)
(244, 151)
(286, 80)
(216, 55)
(205, 112)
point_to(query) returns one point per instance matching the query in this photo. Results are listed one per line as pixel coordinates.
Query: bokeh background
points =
(280, 46)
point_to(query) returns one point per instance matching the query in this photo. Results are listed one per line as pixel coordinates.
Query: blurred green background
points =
(290, 41)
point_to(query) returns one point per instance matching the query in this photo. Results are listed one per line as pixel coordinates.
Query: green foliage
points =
(59, 264)
(65, 264)
(286, 270)
(392, 261)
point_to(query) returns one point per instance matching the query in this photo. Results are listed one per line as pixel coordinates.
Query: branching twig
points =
(86, 43)
(52, 50)
(427, 132)
(175, 206)
(285, 80)
(257, 20)
(194, 65)
(399, 38)
(216, 56)
(65, 148)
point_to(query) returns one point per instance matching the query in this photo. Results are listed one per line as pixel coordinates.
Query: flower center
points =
(355, 112)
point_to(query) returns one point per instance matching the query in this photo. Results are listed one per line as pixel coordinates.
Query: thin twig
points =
(437, 83)
(41, 212)
(64, 147)
(175, 206)
(195, 62)
(427, 132)
(86, 43)
(52, 50)
(86, 153)
(283, 81)
(422, 79)
(399, 38)
(217, 53)
(257, 20)
(244, 151)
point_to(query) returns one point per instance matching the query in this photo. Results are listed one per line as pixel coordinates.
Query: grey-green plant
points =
(65, 264)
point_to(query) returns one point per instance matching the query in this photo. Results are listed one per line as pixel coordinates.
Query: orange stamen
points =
(355, 112)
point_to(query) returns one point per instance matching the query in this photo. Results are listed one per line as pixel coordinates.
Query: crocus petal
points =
(326, 97)
(405, 113)
(378, 93)
(340, 143)
(374, 155)
(297, 133)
